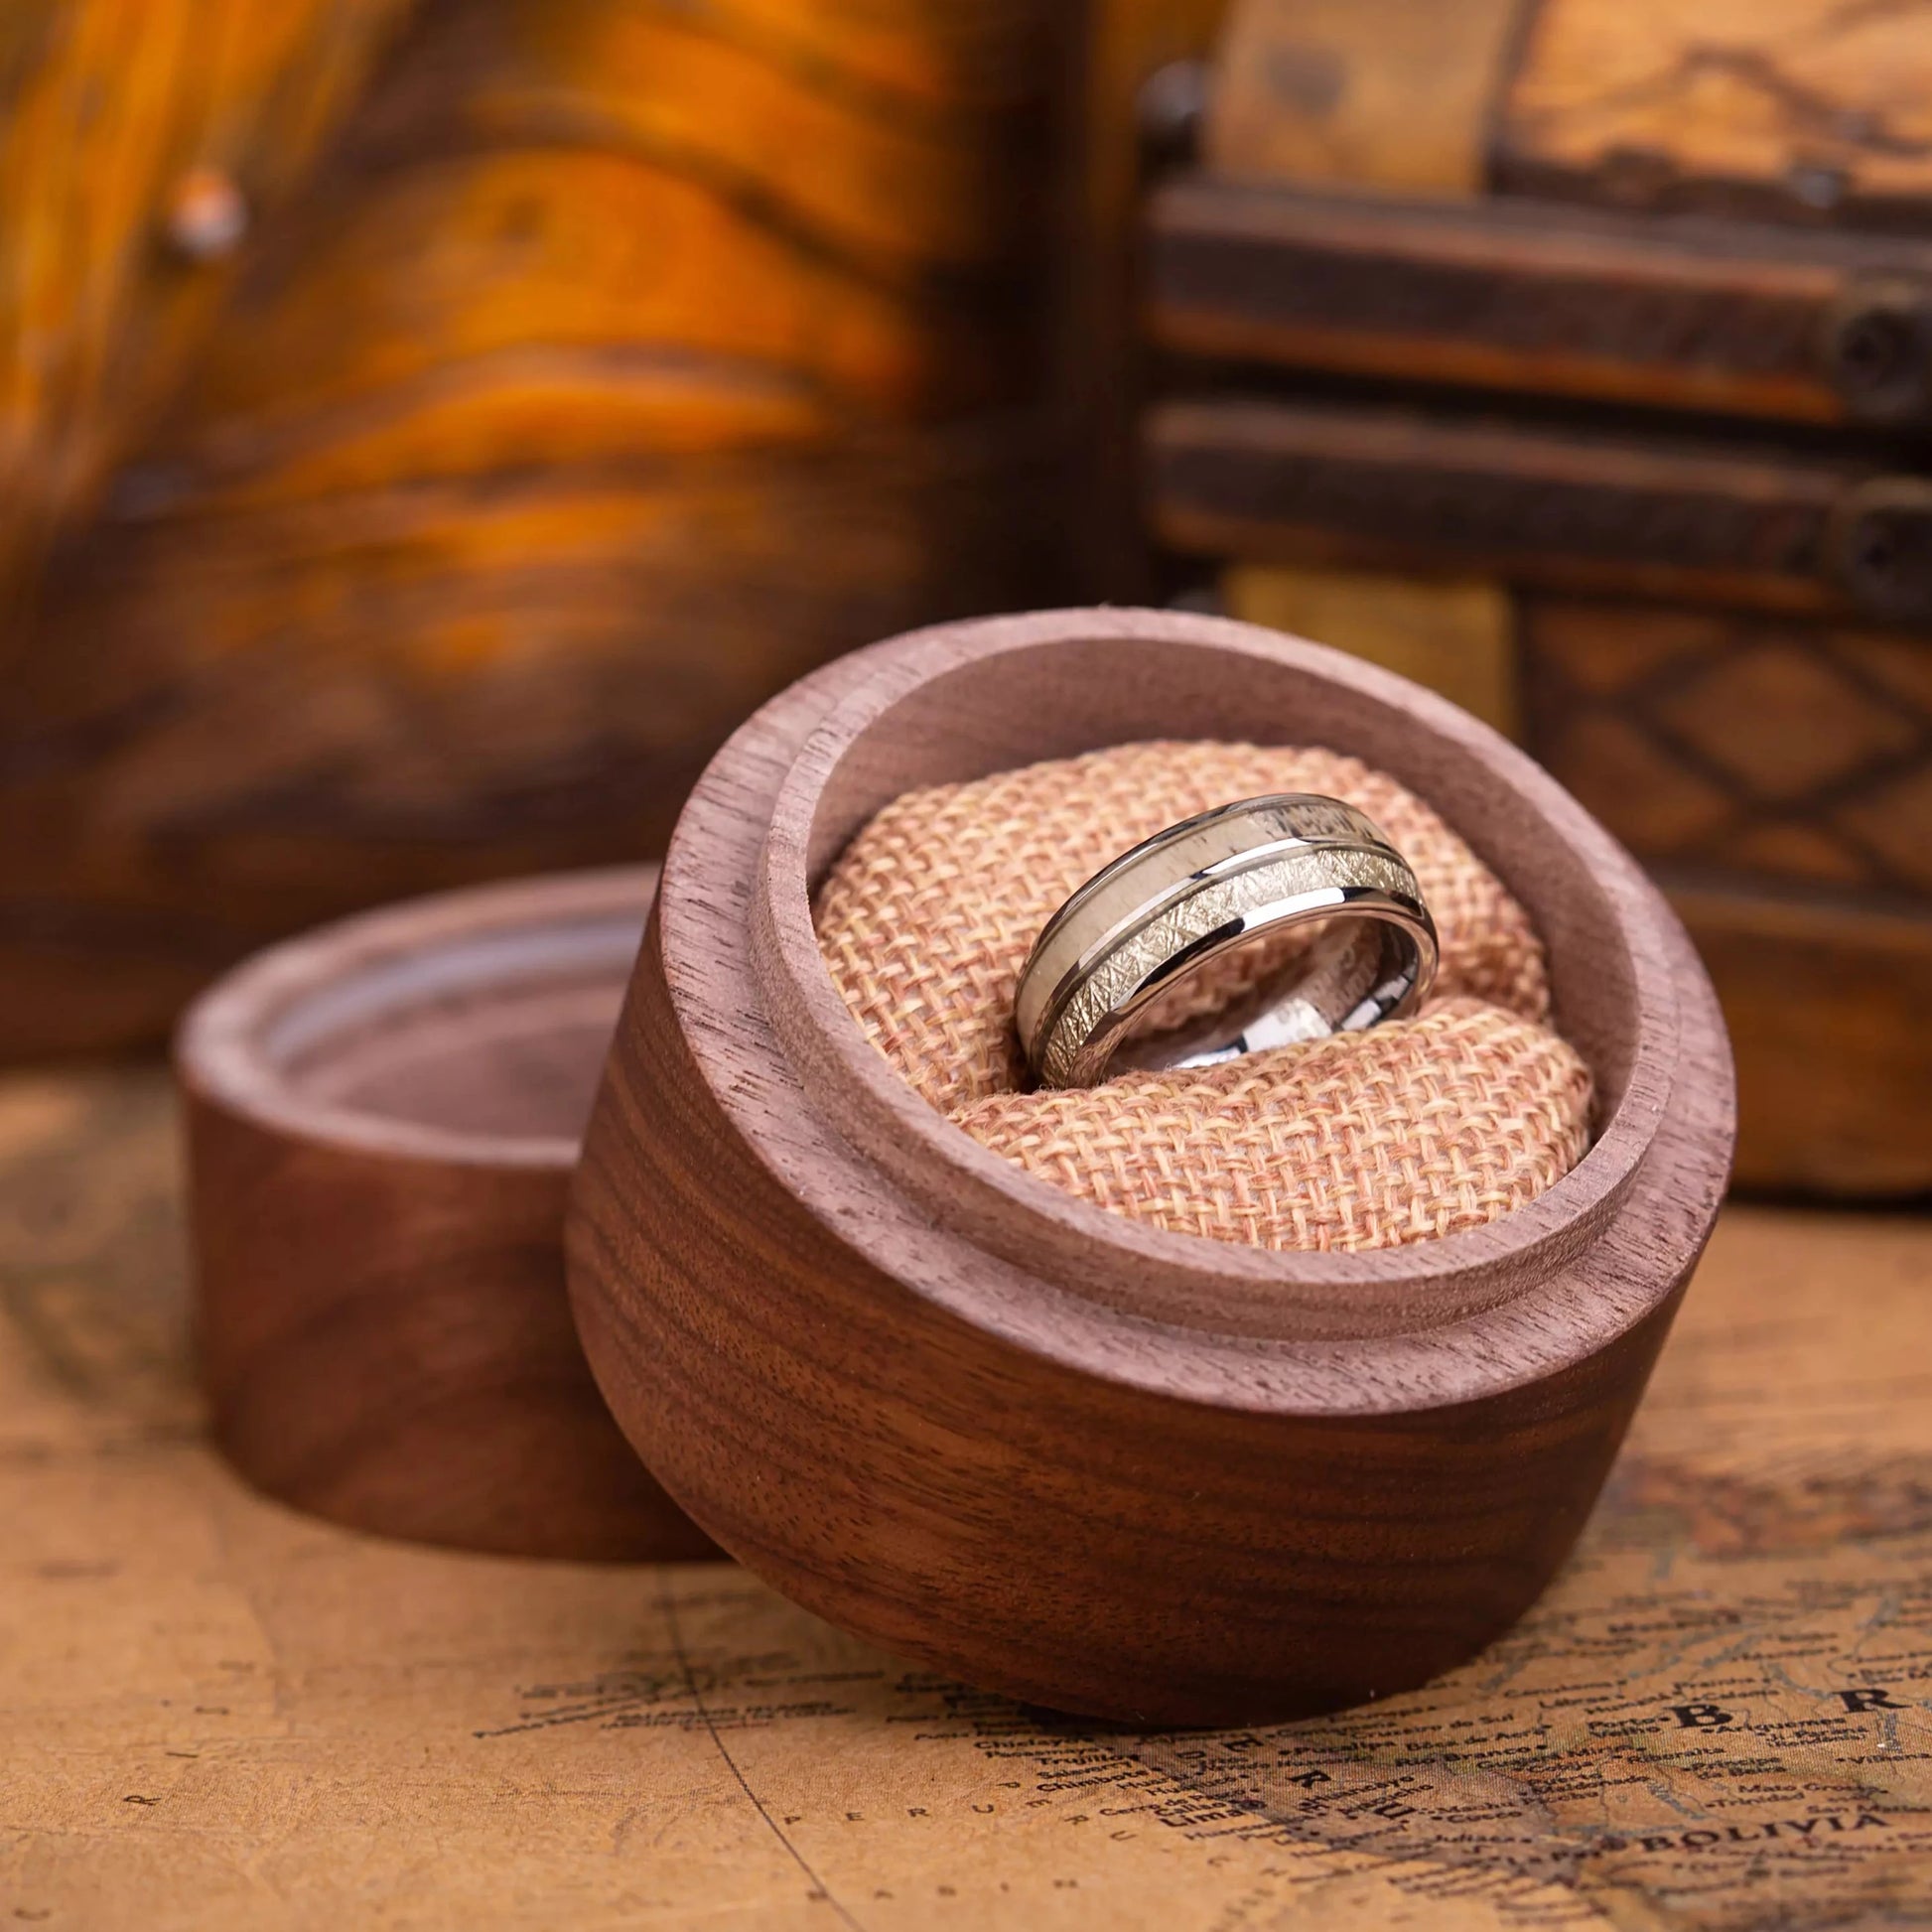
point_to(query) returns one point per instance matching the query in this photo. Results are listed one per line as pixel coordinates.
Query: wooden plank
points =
(1799, 109)
(1276, 481)
(222, 1714)
(1545, 299)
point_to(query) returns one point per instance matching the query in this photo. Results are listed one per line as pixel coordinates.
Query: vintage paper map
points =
(215, 1713)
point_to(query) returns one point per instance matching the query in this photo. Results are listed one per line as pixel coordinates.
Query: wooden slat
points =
(1546, 299)
(1264, 480)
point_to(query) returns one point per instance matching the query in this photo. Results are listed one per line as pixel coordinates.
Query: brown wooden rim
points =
(226, 1044)
(1468, 1315)
(1112, 1256)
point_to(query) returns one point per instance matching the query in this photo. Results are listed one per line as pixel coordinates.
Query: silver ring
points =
(1120, 974)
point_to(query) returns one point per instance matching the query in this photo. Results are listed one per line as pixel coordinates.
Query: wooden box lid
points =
(382, 1116)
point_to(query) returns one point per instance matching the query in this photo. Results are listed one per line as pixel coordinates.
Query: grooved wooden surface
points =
(220, 1715)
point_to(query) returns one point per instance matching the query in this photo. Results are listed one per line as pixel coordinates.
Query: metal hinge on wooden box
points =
(1578, 359)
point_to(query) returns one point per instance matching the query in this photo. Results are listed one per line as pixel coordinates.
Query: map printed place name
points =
(1701, 1841)
(1715, 1717)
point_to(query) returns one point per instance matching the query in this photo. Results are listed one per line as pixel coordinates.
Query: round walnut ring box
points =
(382, 1116)
(1047, 1448)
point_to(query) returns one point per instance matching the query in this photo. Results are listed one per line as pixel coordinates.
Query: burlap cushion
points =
(1415, 1129)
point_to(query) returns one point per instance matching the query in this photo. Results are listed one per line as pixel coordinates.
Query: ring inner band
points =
(1131, 997)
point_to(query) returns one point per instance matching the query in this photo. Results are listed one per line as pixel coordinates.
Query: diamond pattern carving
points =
(1895, 821)
(1779, 718)
(1623, 775)
(1738, 744)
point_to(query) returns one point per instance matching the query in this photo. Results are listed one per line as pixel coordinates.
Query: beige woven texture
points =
(1413, 1129)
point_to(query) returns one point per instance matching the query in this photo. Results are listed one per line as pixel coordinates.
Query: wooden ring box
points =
(382, 1116)
(1046, 1447)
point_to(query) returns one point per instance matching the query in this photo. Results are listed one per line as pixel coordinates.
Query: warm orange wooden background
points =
(581, 372)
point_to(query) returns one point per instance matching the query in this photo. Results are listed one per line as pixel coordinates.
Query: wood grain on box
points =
(1797, 108)
(235, 1713)
(1001, 1430)
(1800, 109)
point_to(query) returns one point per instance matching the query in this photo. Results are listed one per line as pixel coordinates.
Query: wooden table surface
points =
(218, 1714)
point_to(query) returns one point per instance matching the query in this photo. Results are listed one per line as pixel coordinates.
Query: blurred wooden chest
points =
(1576, 358)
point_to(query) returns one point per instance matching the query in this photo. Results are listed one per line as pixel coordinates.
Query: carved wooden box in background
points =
(1579, 359)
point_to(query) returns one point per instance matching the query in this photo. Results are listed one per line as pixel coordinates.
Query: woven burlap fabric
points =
(1412, 1130)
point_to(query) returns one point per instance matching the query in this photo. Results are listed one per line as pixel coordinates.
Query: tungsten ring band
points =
(1193, 947)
